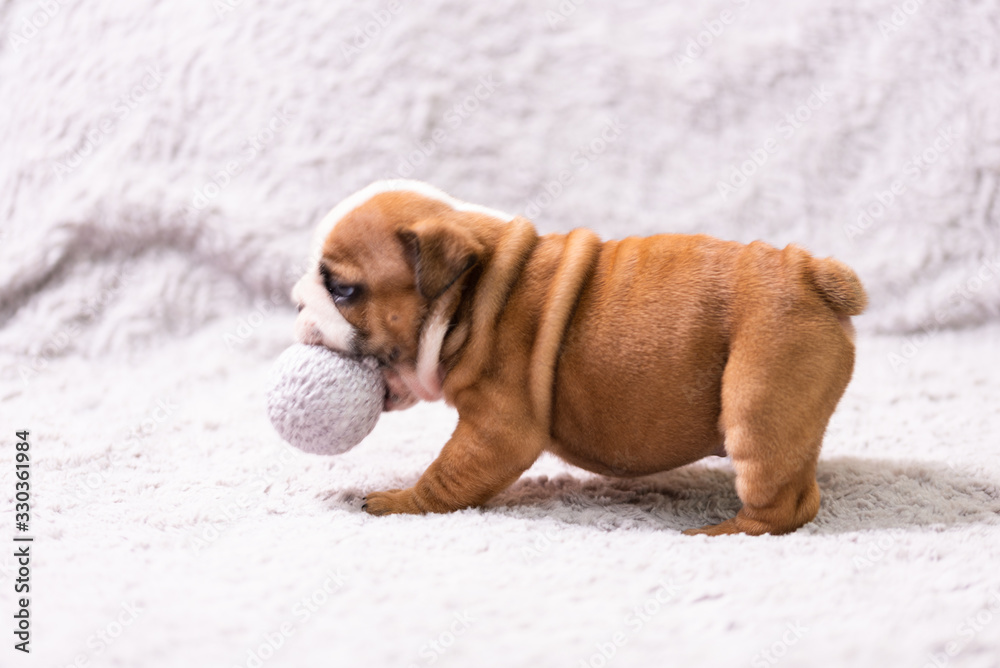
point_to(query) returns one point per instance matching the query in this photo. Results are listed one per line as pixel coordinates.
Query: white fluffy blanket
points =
(163, 164)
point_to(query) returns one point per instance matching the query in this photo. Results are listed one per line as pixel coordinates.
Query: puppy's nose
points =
(307, 332)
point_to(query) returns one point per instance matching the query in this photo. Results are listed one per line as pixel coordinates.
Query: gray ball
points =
(323, 402)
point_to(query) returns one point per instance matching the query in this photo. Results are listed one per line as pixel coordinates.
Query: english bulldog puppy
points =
(622, 357)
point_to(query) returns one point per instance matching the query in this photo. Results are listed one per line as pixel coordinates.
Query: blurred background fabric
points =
(163, 165)
(193, 145)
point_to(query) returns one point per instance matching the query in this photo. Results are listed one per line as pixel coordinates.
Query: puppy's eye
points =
(341, 292)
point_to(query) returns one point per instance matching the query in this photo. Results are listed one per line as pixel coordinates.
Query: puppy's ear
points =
(440, 252)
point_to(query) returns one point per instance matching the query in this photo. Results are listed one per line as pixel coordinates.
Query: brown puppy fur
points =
(624, 358)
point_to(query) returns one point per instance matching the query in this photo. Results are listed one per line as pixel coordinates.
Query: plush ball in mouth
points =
(323, 402)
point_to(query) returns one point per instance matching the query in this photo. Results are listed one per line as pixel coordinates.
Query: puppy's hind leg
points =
(778, 496)
(775, 408)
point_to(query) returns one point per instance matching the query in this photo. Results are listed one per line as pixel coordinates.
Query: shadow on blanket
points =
(858, 494)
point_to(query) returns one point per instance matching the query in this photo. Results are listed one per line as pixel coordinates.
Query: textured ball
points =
(323, 402)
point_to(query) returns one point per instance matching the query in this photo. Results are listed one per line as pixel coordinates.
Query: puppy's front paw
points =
(392, 502)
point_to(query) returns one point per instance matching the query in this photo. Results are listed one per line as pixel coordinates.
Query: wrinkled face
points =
(386, 257)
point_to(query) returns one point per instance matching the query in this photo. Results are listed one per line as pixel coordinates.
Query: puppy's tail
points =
(839, 286)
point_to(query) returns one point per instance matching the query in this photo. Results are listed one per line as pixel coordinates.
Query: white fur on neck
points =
(429, 352)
